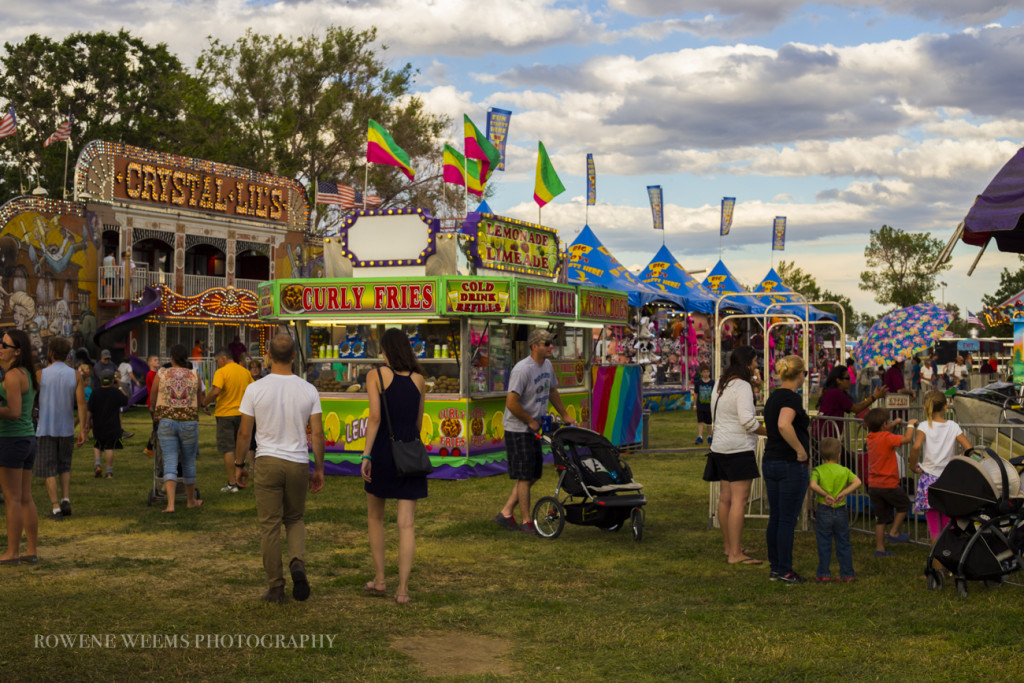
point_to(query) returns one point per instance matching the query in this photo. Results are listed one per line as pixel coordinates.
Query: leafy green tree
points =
(300, 108)
(805, 283)
(118, 88)
(900, 266)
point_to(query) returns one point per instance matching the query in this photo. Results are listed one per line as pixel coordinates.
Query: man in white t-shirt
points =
(281, 405)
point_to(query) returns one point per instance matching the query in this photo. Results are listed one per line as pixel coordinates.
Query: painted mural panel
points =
(48, 265)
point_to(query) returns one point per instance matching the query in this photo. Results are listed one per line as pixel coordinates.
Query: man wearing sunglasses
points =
(530, 386)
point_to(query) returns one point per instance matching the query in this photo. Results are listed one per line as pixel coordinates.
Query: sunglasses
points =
(9, 346)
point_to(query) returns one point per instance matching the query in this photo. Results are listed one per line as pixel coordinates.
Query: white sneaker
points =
(230, 488)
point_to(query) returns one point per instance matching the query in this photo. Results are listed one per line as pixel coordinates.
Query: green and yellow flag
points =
(547, 186)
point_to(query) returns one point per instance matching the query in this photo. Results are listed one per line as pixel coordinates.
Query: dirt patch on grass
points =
(456, 654)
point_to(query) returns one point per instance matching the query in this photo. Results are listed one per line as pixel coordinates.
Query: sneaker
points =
(846, 579)
(300, 584)
(274, 595)
(884, 553)
(65, 508)
(127, 435)
(148, 452)
(506, 522)
(699, 440)
(823, 579)
(110, 475)
(56, 516)
(709, 440)
(527, 528)
(791, 577)
(902, 538)
(773, 575)
(230, 488)
(98, 472)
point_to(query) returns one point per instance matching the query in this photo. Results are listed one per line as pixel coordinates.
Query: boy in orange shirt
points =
(884, 477)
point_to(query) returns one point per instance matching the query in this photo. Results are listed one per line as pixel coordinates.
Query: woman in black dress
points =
(404, 388)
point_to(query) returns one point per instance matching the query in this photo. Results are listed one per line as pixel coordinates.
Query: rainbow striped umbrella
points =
(902, 334)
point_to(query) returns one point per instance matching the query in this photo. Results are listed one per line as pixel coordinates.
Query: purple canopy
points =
(999, 210)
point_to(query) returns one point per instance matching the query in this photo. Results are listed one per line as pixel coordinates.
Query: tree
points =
(805, 283)
(117, 87)
(300, 108)
(1010, 283)
(900, 266)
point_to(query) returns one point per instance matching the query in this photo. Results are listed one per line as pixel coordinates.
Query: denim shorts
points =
(17, 452)
(179, 441)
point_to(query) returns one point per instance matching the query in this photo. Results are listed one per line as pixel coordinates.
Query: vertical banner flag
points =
(479, 147)
(62, 133)
(381, 149)
(547, 185)
(591, 181)
(497, 131)
(779, 234)
(8, 124)
(657, 210)
(728, 204)
(457, 169)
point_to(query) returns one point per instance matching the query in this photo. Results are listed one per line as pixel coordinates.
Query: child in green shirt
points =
(832, 482)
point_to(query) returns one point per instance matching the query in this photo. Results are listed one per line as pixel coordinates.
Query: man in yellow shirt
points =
(229, 383)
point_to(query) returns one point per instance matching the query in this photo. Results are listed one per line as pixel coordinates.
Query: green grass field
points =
(488, 603)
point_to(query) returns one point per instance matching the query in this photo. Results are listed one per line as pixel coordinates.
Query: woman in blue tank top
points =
(18, 444)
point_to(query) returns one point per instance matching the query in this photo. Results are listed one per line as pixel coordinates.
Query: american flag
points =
(343, 196)
(62, 133)
(972, 319)
(8, 124)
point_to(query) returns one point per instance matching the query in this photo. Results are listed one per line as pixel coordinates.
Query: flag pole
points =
(21, 180)
(67, 154)
(366, 182)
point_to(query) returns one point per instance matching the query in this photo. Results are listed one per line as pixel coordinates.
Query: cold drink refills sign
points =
(473, 296)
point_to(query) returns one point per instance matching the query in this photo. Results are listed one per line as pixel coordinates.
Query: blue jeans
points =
(786, 485)
(179, 439)
(833, 524)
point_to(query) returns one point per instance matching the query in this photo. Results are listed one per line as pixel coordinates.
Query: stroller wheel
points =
(614, 527)
(636, 523)
(961, 587)
(934, 579)
(993, 583)
(548, 517)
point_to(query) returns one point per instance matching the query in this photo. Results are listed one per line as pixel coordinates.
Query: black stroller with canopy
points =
(981, 494)
(589, 469)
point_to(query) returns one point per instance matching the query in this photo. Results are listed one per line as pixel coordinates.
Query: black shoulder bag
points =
(710, 471)
(411, 459)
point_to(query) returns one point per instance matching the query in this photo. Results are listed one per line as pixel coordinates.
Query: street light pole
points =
(943, 285)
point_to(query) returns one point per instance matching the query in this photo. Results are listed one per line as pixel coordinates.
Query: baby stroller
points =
(589, 468)
(981, 494)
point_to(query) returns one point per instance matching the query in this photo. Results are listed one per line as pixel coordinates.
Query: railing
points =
(197, 284)
(246, 283)
(1006, 439)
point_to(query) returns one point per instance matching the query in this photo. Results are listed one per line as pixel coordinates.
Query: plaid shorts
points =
(525, 459)
(53, 456)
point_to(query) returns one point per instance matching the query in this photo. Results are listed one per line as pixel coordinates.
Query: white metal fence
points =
(1006, 439)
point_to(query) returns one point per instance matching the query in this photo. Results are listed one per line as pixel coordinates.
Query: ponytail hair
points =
(934, 402)
(789, 367)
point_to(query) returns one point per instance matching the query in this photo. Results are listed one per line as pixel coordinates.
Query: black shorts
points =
(886, 501)
(227, 432)
(740, 466)
(525, 459)
(17, 452)
(704, 415)
(108, 443)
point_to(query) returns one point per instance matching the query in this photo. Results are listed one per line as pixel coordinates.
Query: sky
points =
(842, 116)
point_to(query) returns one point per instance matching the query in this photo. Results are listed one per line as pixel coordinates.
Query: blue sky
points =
(842, 116)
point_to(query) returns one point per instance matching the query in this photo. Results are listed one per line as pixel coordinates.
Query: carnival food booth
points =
(467, 330)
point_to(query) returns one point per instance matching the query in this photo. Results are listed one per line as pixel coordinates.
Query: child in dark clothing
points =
(105, 405)
(704, 386)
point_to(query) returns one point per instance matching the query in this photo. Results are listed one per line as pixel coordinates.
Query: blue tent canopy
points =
(780, 293)
(720, 281)
(666, 275)
(591, 264)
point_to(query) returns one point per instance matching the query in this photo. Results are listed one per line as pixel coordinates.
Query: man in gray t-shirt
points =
(531, 385)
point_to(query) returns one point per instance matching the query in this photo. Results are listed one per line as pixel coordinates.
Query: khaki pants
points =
(280, 488)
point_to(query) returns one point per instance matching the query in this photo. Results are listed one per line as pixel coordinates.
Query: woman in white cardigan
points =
(732, 455)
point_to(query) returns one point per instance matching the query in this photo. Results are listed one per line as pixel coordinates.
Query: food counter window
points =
(339, 357)
(491, 352)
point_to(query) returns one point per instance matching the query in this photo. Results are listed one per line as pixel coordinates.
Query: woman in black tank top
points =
(403, 389)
